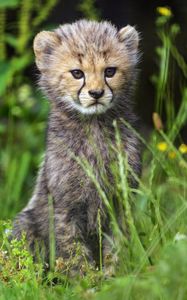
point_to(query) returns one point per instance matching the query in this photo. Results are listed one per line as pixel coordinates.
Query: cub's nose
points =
(96, 94)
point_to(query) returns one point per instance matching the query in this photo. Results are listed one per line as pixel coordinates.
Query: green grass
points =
(153, 260)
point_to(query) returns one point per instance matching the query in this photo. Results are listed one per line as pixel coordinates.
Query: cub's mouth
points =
(96, 104)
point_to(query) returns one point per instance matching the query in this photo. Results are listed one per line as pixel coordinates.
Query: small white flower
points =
(180, 236)
(8, 231)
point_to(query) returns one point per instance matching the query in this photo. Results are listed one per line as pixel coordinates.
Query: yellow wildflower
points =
(164, 11)
(162, 146)
(183, 148)
(172, 154)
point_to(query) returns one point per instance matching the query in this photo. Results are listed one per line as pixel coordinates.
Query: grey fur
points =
(75, 198)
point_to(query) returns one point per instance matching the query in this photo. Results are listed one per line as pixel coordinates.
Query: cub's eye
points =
(110, 72)
(77, 74)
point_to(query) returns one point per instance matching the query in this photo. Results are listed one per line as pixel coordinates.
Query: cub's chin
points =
(95, 108)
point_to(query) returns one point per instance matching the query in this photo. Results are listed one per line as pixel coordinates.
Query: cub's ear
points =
(130, 37)
(44, 44)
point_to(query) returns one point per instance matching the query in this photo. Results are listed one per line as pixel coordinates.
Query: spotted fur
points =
(81, 125)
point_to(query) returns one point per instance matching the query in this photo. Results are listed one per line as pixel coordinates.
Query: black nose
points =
(96, 94)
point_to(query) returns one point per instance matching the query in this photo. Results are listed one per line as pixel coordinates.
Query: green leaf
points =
(175, 29)
(5, 75)
(19, 63)
(11, 40)
(8, 70)
(21, 172)
(9, 3)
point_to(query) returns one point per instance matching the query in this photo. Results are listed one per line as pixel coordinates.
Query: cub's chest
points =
(91, 142)
(92, 145)
(95, 144)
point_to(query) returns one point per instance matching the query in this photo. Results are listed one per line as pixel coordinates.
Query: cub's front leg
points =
(71, 246)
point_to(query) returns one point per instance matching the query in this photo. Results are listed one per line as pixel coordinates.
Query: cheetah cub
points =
(88, 73)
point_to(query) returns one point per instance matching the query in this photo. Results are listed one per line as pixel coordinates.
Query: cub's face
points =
(86, 65)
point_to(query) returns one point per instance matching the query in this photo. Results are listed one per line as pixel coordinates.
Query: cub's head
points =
(86, 66)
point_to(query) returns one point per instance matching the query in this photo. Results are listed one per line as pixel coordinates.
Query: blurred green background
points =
(23, 109)
(153, 261)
